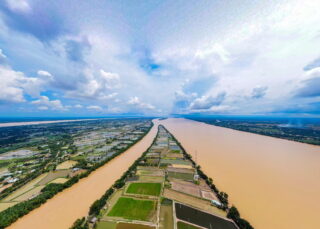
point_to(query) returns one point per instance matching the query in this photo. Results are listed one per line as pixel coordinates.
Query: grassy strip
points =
(10, 215)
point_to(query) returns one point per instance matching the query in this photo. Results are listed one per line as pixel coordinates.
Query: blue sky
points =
(99, 57)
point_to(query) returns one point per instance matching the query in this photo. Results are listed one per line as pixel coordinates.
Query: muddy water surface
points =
(274, 183)
(73, 203)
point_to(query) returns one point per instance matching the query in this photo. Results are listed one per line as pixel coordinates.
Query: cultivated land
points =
(64, 159)
(130, 208)
(288, 172)
(131, 203)
(152, 189)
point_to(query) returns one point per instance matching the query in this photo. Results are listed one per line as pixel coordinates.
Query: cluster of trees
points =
(13, 213)
(98, 204)
(222, 196)
(80, 224)
(234, 214)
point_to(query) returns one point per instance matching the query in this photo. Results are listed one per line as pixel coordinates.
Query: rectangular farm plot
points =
(193, 201)
(201, 218)
(166, 216)
(182, 176)
(151, 189)
(106, 225)
(66, 165)
(133, 209)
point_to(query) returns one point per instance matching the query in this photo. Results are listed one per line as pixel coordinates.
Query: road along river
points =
(274, 183)
(73, 203)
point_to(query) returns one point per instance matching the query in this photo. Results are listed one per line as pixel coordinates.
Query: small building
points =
(216, 203)
(93, 220)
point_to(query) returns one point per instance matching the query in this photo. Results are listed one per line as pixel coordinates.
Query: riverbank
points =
(63, 209)
(273, 182)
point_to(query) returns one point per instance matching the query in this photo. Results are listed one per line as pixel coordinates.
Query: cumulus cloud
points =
(44, 101)
(111, 80)
(11, 85)
(97, 85)
(207, 102)
(135, 101)
(14, 84)
(227, 49)
(78, 106)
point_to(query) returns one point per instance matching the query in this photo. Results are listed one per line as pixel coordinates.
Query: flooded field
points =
(63, 209)
(274, 183)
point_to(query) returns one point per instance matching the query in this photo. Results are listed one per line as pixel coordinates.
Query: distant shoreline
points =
(10, 124)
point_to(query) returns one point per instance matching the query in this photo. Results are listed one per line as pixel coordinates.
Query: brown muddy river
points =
(274, 183)
(62, 210)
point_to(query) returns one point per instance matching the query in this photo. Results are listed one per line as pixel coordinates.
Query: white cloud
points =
(44, 101)
(43, 108)
(45, 74)
(78, 106)
(93, 107)
(19, 6)
(207, 102)
(12, 85)
(135, 101)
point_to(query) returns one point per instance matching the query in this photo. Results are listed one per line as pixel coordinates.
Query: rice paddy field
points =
(66, 165)
(33, 192)
(59, 180)
(106, 225)
(166, 216)
(151, 179)
(53, 175)
(134, 209)
(151, 189)
(201, 218)
(182, 176)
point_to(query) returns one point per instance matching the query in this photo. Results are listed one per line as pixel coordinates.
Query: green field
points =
(152, 189)
(133, 209)
(106, 225)
(182, 225)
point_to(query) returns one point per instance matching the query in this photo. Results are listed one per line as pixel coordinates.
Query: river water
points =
(73, 203)
(274, 183)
